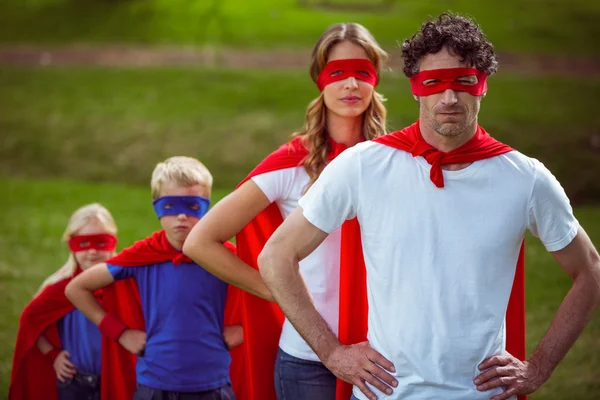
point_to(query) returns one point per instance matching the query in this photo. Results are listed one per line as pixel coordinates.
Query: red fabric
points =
(111, 327)
(122, 300)
(152, 250)
(33, 376)
(446, 78)
(263, 320)
(480, 147)
(359, 68)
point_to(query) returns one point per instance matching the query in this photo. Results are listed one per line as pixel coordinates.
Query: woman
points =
(346, 63)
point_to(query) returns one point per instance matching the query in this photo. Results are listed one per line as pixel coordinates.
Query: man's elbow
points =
(590, 278)
(265, 263)
(596, 279)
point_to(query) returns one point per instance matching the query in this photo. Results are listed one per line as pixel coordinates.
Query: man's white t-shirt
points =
(440, 261)
(320, 270)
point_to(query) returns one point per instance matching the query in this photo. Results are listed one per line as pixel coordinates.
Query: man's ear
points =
(417, 99)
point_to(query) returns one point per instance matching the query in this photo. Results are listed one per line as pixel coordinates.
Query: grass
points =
(116, 124)
(540, 26)
(34, 213)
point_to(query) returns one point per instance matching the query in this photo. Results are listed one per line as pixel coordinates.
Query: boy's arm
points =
(80, 291)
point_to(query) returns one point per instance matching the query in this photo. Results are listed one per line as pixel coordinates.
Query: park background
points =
(93, 93)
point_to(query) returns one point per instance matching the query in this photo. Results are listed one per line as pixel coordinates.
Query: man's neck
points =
(446, 143)
(345, 130)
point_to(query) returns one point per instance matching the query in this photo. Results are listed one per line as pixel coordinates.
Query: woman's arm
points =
(205, 243)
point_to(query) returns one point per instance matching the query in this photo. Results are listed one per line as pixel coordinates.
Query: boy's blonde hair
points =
(80, 218)
(184, 171)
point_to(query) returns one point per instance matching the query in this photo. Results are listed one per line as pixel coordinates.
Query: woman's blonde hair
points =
(80, 218)
(314, 135)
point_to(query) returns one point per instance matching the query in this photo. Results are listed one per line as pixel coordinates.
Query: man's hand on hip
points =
(518, 377)
(360, 363)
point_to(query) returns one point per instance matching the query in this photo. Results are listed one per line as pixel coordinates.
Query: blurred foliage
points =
(116, 124)
(540, 26)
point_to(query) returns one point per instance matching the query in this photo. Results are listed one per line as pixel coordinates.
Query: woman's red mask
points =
(100, 242)
(337, 70)
(456, 79)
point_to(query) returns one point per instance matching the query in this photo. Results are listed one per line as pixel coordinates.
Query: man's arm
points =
(582, 262)
(80, 291)
(278, 263)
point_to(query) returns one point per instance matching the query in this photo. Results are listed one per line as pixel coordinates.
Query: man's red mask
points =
(337, 70)
(100, 242)
(458, 79)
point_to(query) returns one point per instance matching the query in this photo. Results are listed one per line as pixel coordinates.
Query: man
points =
(443, 209)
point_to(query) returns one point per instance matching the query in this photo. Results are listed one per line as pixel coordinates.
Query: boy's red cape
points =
(33, 376)
(263, 320)
(122, 299)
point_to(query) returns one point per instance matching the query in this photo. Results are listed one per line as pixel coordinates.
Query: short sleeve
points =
(119, 272)
(551, 216)
(333, 198)
(275, 184)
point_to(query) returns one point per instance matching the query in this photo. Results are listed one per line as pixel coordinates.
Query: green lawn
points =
(540, 26)
(116, 124)
(34, 213)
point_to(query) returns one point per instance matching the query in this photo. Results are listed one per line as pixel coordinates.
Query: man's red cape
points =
(33, 376)
(122, 299)
(480, 147)
(263, 320)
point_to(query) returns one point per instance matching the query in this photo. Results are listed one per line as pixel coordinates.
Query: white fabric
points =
(321, 269)
(440, 261)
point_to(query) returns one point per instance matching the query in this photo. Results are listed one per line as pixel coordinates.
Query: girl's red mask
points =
(337, 70)
(100, 242)
(447, 78)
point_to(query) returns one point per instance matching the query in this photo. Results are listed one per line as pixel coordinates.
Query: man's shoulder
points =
(519, 162)
(371, 148)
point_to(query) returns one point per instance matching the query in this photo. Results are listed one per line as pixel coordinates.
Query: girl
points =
(58, 351)
(346, 62)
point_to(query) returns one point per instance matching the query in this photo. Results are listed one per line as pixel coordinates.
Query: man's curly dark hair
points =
(459, 35)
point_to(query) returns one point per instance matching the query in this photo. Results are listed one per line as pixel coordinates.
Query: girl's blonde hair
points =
(314, 135)
(80, 218)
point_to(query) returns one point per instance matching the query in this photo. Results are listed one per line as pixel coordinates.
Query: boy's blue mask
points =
(192, 206)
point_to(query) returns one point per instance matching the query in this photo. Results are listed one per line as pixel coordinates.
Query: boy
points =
(184, 348)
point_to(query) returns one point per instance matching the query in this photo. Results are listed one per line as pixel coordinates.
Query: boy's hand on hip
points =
(133, 340)
(360, 363)
(64, 368)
